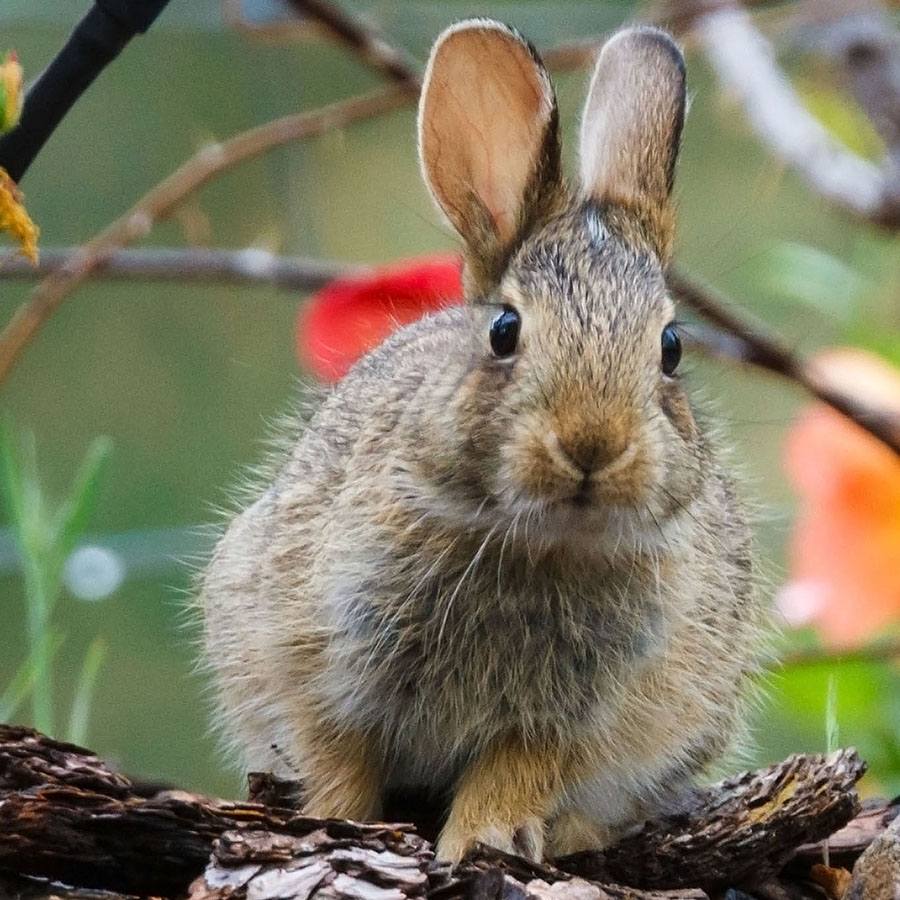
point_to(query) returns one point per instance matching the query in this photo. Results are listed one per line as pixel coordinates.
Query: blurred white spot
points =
(801, 602)
(254, 260)
(92, 573)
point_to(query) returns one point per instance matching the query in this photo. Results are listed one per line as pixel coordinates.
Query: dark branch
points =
(751, 345)
(361, 40)
(97, 40)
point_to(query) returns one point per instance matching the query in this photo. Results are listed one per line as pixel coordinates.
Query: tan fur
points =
(526, 582)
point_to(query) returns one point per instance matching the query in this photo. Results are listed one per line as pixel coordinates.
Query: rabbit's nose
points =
(587, 456)
(583, 454)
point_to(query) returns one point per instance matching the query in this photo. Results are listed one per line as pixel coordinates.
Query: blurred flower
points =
(845, 549)
(10, 91)
(350, 316)
(14, 219)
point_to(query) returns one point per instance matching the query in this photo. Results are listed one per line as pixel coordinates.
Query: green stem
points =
(84, 691)
(40, 645)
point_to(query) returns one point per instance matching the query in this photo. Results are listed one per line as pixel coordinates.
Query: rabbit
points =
(503, 561)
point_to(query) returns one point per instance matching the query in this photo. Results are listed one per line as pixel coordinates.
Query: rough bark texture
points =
(66, 816)
(739, 833)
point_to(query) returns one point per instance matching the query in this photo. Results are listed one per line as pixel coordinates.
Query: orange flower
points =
(14, 218)
(845, 548)
(350, 316)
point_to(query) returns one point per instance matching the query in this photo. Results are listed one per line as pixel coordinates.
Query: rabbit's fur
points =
(525, 582)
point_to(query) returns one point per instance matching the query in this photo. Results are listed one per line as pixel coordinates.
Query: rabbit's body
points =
(501, 584)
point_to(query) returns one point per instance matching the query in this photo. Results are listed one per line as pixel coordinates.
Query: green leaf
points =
(72, 517)
(811, 276)
(13, 487)
(84, 691)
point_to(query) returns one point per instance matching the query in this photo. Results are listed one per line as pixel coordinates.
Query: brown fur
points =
(524, 581)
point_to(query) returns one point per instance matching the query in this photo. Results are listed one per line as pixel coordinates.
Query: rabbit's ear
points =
(631, 129)
(488, 140)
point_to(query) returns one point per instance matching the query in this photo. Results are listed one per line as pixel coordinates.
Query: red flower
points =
(845, 548)
(347, 318)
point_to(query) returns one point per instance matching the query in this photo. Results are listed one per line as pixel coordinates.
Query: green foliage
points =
(45, 537)
(811, 276)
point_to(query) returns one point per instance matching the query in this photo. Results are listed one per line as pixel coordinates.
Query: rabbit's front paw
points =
(526, 840)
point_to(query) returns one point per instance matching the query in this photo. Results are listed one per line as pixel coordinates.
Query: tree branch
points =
(745, 65)
(250, 266)
(214, 159)
(731, 337)
(96, 41)
(166, 196)
(861, 38)
(752, 346)
(363, 41)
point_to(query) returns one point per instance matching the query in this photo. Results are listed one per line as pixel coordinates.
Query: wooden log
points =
(65, 815)
(265, 866)
(876, 875)
(738, 833)
(847, 844)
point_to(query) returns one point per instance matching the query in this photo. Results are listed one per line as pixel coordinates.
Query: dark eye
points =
(505, 332)
(671, 349)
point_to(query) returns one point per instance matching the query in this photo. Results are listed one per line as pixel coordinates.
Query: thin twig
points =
(882, 651)
(363, 41)
(190, 265)
(752, 346)
(166, 196)
(212, 160)
(572, 54)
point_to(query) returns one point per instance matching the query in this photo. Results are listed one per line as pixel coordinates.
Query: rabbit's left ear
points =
(488, 140)
(631, 129)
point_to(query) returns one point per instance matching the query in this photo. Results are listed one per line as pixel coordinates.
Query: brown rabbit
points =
(503, 561)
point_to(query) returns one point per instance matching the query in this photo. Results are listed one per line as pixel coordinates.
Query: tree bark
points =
(65, 816)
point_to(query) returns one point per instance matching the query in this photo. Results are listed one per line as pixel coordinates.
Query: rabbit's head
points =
(572, 407)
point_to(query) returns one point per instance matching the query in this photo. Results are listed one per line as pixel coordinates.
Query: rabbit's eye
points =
(671, 349)
(505, 332)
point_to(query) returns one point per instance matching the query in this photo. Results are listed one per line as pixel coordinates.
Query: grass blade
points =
(84, 691)
(72, 516)
(23, 682)
(13, 489)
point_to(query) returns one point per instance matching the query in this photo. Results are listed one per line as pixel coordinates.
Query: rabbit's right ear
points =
(631, 129)
(488, 140)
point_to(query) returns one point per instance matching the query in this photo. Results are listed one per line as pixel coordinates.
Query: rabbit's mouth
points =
(581, 523)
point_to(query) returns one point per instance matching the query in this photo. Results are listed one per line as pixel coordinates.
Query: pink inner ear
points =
(487, 105)
(351, 316)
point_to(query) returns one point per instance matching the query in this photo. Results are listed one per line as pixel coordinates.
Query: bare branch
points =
(192, 265)
(861, 38)
(744, 62)
(166, 196)
(881, 651)
(363, 41)
(752, 346)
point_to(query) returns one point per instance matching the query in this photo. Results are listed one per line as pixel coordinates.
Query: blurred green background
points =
(185, 379)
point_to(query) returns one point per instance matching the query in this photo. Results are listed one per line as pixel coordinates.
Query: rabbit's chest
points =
(467, 657)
